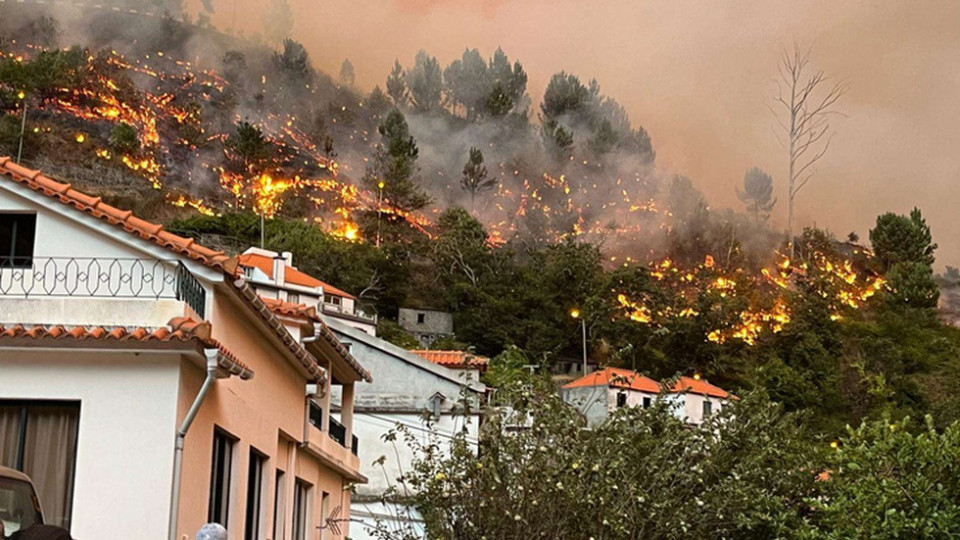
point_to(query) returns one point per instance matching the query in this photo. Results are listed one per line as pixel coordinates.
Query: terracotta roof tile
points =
(454, 359)
(289, 309)
(291, 274)
(180, 329)
(617, 378)
(115, 216)
(699, 386)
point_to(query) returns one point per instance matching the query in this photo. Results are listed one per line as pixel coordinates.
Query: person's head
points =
(212, 531)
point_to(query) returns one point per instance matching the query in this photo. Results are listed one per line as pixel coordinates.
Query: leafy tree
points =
(913, 285)
(397, 85)
(124, 139)
(467, 83)
(249, 145)
(390, 331)
(509, 85)
(426, 82)
(757, 193)
(641, 474)
(293, 63)
(394, 165)
(475, 178)
(891, 479)
(898, 238)
(347, 75)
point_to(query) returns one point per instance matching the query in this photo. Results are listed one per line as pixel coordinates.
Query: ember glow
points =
(839, 282)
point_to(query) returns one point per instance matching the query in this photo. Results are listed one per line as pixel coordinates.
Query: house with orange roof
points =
(146, 387)
(428, 398)
(273, 275)
(463, 361)
(599, 394)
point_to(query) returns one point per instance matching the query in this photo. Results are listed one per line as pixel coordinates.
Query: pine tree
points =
(393, 170)
(757, 193)
(475, 178)
(397, 85)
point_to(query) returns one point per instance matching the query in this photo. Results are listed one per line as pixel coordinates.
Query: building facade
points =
(428, 399)
(602, 392)
(147, 389)
(427, 325)
(274, 276)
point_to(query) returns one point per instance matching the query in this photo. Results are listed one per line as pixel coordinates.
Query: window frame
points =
(10, 257)
(253, 513)
(707, 407)
(621, 399)
(279, 505)
(225, 476)
(302, 492)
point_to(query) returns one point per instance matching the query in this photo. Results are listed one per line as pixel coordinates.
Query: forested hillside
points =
(450, 187)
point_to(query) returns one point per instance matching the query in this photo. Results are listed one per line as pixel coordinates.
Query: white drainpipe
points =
(211, 355)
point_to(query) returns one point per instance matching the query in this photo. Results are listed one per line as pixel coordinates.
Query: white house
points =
(409, 390)
(600, 393)
(273, 275)
(147, 389)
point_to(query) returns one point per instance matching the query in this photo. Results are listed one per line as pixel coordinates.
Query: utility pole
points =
(23, 127)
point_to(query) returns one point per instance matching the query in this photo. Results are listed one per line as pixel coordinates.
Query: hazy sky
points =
(698, 75)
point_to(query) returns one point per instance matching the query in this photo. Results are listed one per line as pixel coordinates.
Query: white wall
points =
(128, 406)
(369, 427)
(390, 517)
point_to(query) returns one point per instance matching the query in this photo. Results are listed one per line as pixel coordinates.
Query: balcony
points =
(29, 277)
(338, 309)
(337, 431)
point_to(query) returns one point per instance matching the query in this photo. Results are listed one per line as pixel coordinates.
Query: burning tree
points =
(475, 179)
(807, 106)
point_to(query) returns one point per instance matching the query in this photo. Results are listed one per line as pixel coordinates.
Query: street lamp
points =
(575, 313)
(380, 185)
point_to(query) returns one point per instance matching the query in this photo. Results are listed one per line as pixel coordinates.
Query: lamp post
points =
(379, 210)
(575, 313)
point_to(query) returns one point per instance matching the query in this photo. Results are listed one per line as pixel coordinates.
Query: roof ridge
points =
(66, 194)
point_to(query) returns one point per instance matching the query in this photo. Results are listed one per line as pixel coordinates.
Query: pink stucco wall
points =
(265, 413)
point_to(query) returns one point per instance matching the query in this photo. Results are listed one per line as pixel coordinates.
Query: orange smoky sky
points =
(699, 76)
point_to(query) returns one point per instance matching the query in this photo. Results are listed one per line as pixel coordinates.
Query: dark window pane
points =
(254, 491)
(219, 505)
(17, 233)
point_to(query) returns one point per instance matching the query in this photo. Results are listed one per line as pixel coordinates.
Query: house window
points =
(17, 233)
(293, 298)
(254, 494)
(218, 510)
(39, 438)
(316, 415)
(621, 399)
(325, 511)
(421, 318)
(335, 300)
(279, 507)
(707, 408)
(647, 402)
(301, 506)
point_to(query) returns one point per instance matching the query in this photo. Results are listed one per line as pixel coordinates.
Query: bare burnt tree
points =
(803, 108)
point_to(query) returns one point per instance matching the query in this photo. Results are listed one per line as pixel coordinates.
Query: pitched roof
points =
(454, 359)
(179, 329)
(390, 350)
(699, 386)
(301, 311)
(617, 378)
(291, 274)
(123, 219)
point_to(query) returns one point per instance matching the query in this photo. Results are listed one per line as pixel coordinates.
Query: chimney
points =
(287, 256)
(280, 270)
